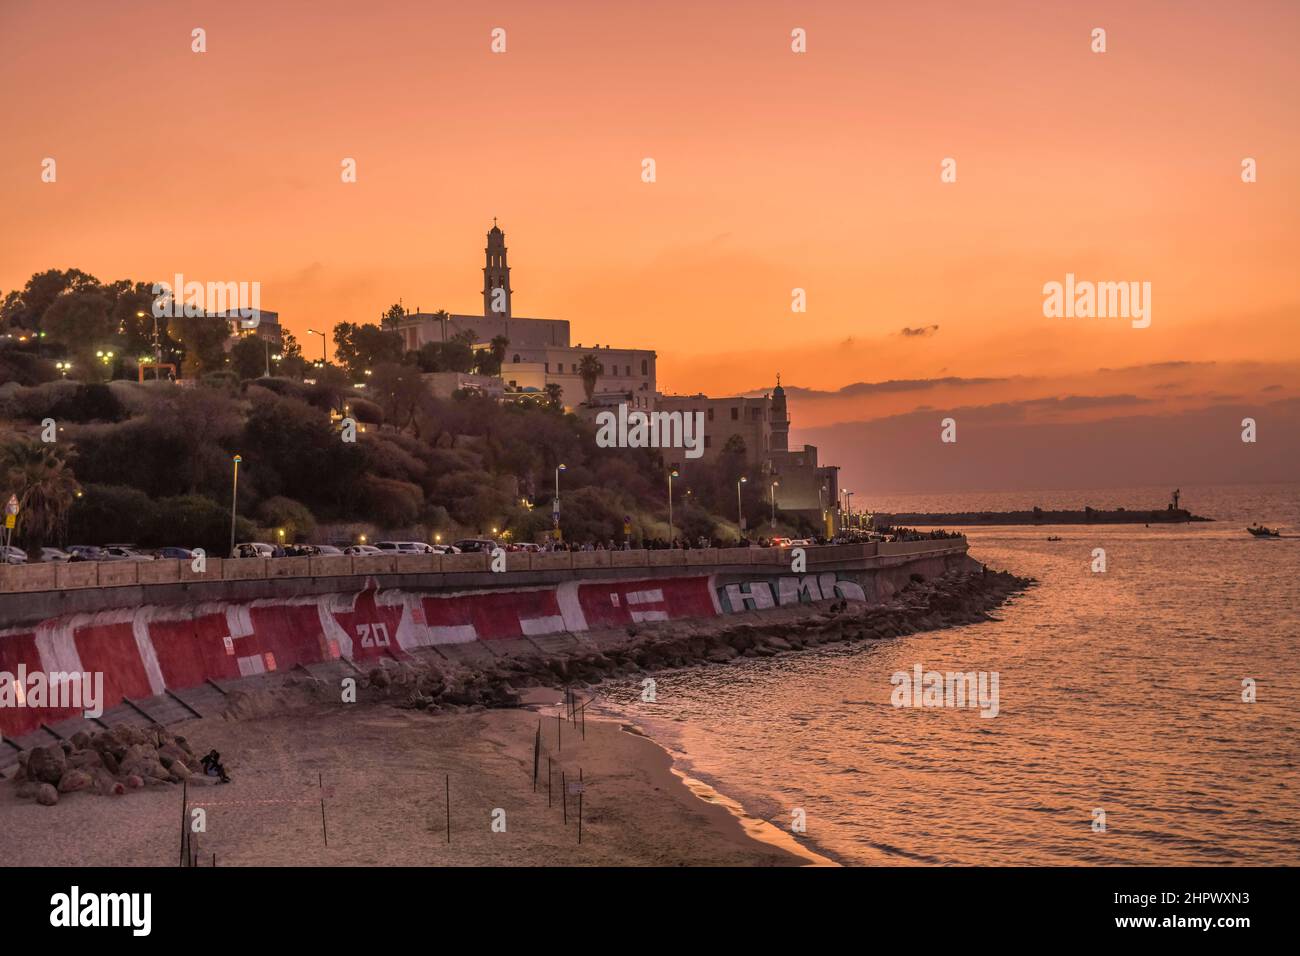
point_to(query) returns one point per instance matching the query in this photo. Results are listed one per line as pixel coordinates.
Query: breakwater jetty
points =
(1040, 516)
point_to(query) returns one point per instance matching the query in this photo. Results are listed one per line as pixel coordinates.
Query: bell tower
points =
(780, 419)
(496, 275)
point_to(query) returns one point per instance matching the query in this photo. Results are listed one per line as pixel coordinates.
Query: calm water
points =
(1119, 691)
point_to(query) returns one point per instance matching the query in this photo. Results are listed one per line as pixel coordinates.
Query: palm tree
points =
(590, 369)
(39, 475)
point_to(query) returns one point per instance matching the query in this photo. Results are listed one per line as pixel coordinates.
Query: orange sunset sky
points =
(775, 171)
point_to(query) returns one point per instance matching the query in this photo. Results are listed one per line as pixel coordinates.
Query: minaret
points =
(496, 274)
(780, 419)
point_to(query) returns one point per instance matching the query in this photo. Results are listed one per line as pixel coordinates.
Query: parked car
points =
(531, 547)
(404, 547)
(85, 552)
(253, 549)
(472, 545)
(361, 549)
(12, 555)
(55, 555)
(327, 549)
(122, 552)
(174, 554)
(444, 549)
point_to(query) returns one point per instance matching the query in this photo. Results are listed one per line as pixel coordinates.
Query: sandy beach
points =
(385, 773)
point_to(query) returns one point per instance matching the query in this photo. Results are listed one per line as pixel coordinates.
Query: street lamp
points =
(740, 509)
(323, 358)
(671, 475)
(555, 502)
(63, 367)
(233, 495)
(848, 496)
(775, 485)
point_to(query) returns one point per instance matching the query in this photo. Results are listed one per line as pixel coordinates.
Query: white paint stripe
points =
(542, 625)
(566, 595)
(646, 597)
(640, 616)
(452, 634)
(713, 594)
(253, 664)
(55, 644)
(148, 655)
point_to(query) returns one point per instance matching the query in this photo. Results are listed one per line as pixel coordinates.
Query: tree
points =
(590, 369)
(555, 394)
(40, 476)
(248, 356)
(393, 317)
(361, 347)
(204, 339)
(25, 308)
(399, 390)
(292, 363)
(81, 323)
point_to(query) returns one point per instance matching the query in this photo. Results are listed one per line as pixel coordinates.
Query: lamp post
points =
(849, 497)
(323, 358)
(234, 493)
(740, 508)
(672, 473)
(555, 502)
(775, 485)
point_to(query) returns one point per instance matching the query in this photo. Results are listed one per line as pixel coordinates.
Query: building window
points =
(546, 367)
(735, 414)
(516, 359)
(710, 414)
(645, 367)
(756, 414)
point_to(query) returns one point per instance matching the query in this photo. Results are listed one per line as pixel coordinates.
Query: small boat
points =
(1259, 531)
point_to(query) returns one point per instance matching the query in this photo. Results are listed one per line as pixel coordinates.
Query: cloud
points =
(889, 387)
(921, 332)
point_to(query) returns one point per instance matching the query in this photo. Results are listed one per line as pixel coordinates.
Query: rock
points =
(80, 740)
(134, 782)
(46, 795)
(74, 780)
(28, 788)
(47, 764)
(723, 653)
(179, 771)
(378, 678)
(86, 759)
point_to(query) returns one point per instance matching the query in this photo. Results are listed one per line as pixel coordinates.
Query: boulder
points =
(47, 764)
(27, 789)
(179, 772)
(80, 740)
(46, 795)
(86, 759)
(134, 782)
(74, 780)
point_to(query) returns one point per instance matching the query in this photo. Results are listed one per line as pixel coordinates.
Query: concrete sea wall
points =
(150, 640)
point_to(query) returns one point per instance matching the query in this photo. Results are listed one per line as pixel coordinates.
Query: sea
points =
(1147, 713)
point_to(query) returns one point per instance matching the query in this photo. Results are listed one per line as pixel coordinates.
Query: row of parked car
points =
(253, 549)
(91, 552)
(259, 549)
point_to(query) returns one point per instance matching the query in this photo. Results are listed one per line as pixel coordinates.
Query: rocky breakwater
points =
(108, 763)
(957, 597)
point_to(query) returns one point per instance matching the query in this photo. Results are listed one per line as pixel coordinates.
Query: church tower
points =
(496, 275)
(780, 419)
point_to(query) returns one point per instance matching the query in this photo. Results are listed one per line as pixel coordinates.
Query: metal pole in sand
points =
(185, 799)
(537, 750)
(320, 782)
(559, 730)
(548, 781)
(580, 789)
(584, 720)
(564, 797)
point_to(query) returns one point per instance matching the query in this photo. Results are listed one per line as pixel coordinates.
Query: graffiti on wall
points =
(788, 589)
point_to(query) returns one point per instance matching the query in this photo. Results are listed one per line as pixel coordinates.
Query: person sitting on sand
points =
(212, 766)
